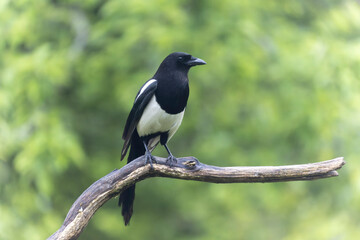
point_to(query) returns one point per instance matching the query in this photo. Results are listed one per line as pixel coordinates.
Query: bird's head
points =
(182, 60)
(186, 59)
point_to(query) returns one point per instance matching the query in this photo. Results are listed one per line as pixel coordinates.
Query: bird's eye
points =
(180, 58)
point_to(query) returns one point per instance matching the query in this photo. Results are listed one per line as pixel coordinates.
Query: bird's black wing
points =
(141, 101)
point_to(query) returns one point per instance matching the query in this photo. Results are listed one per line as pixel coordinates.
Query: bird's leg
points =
(148, 157)
(171, 159)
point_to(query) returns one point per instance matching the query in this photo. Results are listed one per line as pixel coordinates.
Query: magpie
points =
(156, 115)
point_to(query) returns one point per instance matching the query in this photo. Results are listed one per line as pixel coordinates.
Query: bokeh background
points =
(281, 87)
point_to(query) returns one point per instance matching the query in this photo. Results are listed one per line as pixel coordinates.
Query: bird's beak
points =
(195, 61)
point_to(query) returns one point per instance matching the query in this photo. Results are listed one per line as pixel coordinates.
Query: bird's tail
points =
(126, 199)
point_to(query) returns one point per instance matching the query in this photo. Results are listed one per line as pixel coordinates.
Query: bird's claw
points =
(171, 160)
(149, 159)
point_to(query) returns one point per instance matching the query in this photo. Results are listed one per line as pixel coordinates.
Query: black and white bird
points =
(156, 115)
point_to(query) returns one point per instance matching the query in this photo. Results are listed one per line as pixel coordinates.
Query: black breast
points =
(172, 95)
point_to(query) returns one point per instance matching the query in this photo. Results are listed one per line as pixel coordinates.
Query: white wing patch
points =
(146, 85)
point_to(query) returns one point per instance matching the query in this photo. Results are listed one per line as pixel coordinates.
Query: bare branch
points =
(187, 168)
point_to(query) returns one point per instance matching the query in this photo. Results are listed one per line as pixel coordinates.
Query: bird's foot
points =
(149, 159)
(171, 160)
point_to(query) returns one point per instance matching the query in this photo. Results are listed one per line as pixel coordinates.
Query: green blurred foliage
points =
(281, 87)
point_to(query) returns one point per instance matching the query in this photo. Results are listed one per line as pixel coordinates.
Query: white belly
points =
(154, 120)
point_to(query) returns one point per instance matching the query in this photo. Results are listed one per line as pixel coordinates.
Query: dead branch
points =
(188, 168)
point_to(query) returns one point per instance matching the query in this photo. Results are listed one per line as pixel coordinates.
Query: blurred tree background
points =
(281, 87)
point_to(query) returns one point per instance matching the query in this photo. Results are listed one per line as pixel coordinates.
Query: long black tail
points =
(126, 199)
